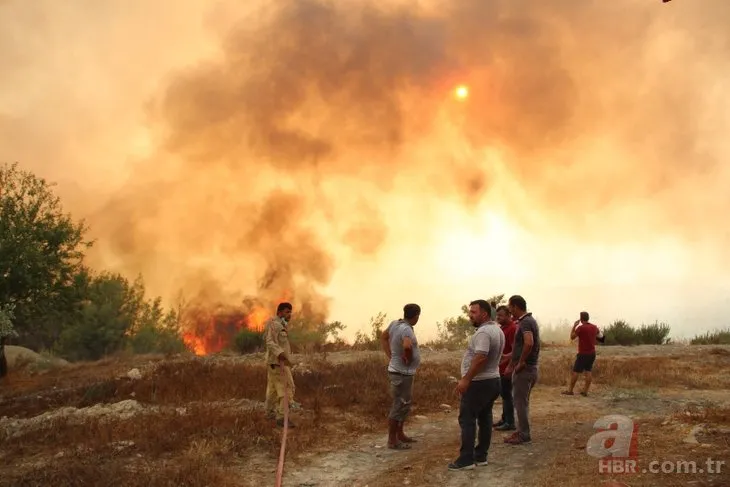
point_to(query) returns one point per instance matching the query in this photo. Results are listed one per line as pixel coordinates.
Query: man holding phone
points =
(587, 334)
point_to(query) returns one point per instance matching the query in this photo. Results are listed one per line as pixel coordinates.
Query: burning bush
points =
(211, 329)
(248, 341)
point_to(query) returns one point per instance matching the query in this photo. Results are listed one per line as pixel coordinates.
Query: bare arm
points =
(385, 343)
(407, 350)
(573, 333)
(527, 347)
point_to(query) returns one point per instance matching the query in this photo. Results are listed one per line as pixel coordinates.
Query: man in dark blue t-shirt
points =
(523, 367)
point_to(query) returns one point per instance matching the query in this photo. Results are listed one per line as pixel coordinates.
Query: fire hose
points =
(282, 451)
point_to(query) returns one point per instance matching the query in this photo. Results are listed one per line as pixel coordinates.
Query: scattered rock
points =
(123, 444)
(420, 417)
(134, 374)
(445, 407)
(120, 410)
(18, 357)
(452, 379)
(691, 438)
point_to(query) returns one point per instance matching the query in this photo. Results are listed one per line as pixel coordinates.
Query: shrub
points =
(654, 334)
(454, 332)
(364, 341)
(621, 333)
(151, 339)
(717, 337)
(248, 341)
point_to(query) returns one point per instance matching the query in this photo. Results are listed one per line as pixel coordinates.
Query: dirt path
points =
(560, 424)
(368, 463)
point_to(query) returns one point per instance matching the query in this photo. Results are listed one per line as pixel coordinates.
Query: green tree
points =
(7, 316)
(106, 317)
(6, 331)
(456, 331)
(41, 252)
(371, 341)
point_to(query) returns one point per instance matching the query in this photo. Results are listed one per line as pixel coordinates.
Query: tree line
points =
(50, 300)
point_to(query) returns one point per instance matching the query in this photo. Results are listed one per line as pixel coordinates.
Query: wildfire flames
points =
(212, 331)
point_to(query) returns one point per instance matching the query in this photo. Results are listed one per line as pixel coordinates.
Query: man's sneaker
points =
(456, 466)
(505, 427)
(498, 423)
(481, 462)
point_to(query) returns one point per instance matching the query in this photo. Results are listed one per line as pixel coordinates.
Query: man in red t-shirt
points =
(587, 334)
(509, 328)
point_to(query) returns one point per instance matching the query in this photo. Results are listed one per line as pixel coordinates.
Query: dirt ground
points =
(561, 425)
(678, 395)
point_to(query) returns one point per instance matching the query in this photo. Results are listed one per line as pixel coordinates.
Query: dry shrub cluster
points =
(220, 428)
(338, 400)
(96, 471)
(629, 372)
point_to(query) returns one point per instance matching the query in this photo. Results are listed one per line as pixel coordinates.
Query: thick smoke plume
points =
(285, 145)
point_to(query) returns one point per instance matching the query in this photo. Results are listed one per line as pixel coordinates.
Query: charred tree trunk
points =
(3, 360)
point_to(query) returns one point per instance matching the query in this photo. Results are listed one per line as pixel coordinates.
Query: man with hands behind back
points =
(401, 347)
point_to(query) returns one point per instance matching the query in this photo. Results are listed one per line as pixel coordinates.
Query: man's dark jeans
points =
(508, 405)
(476, 408)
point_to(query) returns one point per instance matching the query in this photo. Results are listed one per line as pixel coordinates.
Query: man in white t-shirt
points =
(400, 345)
(479, 386)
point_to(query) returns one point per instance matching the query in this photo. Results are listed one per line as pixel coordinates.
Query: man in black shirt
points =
(523, 367)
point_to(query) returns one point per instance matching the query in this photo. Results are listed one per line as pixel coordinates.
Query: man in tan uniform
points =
(278, 353)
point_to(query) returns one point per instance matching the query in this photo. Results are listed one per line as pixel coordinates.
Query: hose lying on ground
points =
(282, 451)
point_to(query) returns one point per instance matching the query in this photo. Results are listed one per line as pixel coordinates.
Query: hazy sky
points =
(317, 148)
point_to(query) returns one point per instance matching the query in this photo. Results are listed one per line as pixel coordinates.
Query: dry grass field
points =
(191, 421)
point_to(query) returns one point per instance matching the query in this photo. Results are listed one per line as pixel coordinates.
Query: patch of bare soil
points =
(561, 426)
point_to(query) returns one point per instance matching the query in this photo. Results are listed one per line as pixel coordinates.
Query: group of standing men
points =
(501, 358)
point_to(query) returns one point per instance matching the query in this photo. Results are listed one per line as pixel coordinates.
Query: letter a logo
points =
(614, 438)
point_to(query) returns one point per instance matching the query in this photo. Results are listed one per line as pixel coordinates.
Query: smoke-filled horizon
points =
(316, 150)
